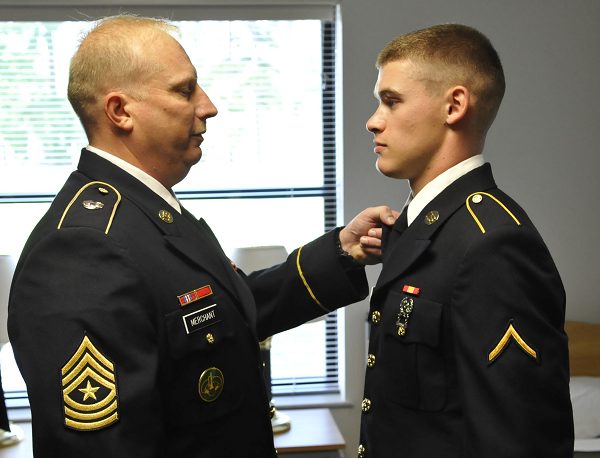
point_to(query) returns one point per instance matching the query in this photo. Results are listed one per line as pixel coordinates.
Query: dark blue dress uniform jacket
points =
(135, 335)
(482, 368)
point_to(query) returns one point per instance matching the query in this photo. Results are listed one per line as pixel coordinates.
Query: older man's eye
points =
(186, 91)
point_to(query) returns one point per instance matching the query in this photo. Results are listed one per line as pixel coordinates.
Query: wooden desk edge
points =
(336, 442)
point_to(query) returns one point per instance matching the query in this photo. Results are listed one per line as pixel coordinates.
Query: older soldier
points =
(133, 332)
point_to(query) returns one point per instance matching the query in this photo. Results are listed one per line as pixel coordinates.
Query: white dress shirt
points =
(417, 203)
(149, 181)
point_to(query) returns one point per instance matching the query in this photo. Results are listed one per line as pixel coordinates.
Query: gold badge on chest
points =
(406, 308)
(210, 384)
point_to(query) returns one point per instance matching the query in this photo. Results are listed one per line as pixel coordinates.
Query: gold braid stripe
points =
(87, 361)
(86, 345)
(74, 415)
(114, 210)
(511, 332)
(86, 426)
(495, 200)
(312, 295)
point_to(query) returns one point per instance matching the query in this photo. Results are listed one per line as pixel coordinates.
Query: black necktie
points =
(402, 222)
(399, 227)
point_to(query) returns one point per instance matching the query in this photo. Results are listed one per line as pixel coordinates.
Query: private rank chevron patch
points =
(89, 389)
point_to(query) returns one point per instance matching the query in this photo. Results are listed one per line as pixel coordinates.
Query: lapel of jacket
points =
(403, 249)
(184, 233)
(198, 243)
(244, 293)
(236, 285)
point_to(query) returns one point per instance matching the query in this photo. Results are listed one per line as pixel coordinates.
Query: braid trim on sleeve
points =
(306, 285)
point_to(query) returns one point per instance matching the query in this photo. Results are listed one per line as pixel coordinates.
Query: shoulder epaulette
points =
(94, 205)
(478, 198)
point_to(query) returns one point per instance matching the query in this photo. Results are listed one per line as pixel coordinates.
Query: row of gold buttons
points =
(366, 402)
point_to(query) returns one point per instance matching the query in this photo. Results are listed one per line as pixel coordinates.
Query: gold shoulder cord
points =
(74, 199)
(495, 200)
(306, 285)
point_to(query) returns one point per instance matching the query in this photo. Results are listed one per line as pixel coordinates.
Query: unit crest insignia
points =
(89, 389)
(210, 384)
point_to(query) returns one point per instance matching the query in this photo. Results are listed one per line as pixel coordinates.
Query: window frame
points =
(327, 12)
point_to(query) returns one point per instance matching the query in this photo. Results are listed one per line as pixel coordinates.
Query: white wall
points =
(544, 145)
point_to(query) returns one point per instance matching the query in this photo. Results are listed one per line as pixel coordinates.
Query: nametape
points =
(200, 319)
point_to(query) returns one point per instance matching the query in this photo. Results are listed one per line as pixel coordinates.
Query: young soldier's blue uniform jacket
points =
(467, 353)
(138, 338)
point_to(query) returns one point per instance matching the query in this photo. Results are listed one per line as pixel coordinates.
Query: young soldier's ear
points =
(117, 111)
(458, 98)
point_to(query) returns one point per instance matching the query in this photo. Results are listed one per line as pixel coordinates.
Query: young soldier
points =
(467, 353)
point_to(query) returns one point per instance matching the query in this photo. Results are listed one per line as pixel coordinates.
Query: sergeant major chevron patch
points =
(89, 389)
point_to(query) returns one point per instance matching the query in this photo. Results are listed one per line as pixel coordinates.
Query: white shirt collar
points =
(149, 181)
(430, 191)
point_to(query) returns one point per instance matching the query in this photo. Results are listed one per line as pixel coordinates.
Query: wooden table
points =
(313, 434)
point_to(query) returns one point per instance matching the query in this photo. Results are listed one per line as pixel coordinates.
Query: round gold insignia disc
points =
(210, 384)
(165, 216)
(371, 360)
(431, 217)
(375, 316)
(361, 451)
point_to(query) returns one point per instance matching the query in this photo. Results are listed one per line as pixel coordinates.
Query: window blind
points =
(37, 126)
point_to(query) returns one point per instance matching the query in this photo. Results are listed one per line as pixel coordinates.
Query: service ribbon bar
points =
(411, 290)
(195, 295)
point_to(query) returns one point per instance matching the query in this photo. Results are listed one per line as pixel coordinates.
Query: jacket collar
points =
(402, 248)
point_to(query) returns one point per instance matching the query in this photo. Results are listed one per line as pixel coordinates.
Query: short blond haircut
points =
(453, 54)
(111, 57)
